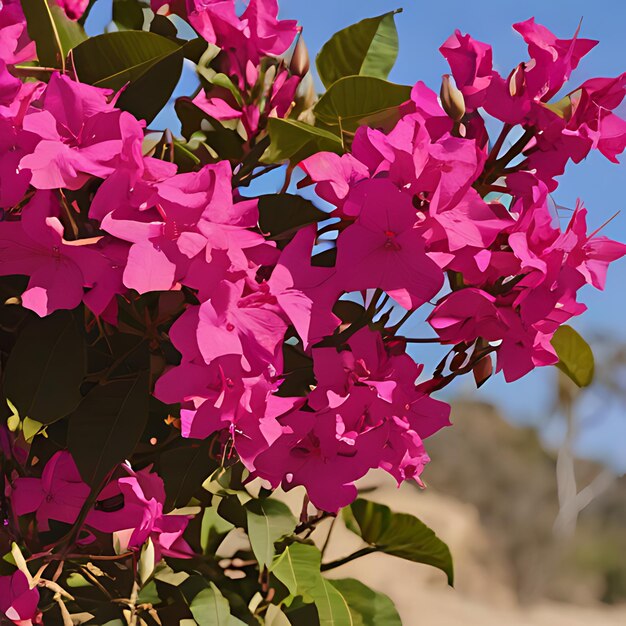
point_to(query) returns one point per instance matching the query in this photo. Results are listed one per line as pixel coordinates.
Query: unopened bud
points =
(517, 81)
(458, 361)
(452, 99)
(304, 99)
(483, 370)
(300, 61)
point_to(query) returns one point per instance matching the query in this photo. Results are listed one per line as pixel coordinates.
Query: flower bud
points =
(483, 370)
(517, 81)
(300, 61)
(452, 99)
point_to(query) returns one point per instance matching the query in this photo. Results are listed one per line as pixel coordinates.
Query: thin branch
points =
(493, 155)
(327, 540)
(422, 340)
(346, 559)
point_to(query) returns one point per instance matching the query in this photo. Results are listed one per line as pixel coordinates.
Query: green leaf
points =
(77, 581)
(213, 530)
(211, 608)
(52, 31)
(367, 607)
(163, 25)
(46, 368)
(224, 482)
(165, 574)
(332, 607)
(128, 14)
(150, 63)
(275, 617)
(350, 101)
(217, 79)
(298, 568)
(149, 594)
(268, 521)
(398, 534)
(107, 425)
(368, 48)
(575, 356)
(282, 214)
(184, 469)
(223, 141)
(294, 141)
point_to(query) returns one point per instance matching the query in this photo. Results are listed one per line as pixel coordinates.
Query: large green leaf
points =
(184, 469)
(128, 14)
(114, 59)
(107, 425)
(52, 31)
(211, 608)
(575, 356)
(268, 521)
(148, 63)
(367, 607)
(352, 101)
(399, 534)
(282, 214)
(294, 141)
(332, 607)
(368, 48)
(46, 368)
(298, 568)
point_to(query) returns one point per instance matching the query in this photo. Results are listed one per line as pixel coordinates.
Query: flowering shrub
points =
(175, 345)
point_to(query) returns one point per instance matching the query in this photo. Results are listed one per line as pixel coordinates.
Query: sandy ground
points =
(482, 595)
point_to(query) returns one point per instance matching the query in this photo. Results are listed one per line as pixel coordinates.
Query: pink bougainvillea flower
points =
(14, 144)
(327, 451)
(58, 495)
(35, 247)
(74, 9)
(552, 59)
(9, 85)
(318, 284)
(18, 601)
(144, 497)
(404, 456)
(256, 33)
(520, 97)
(334, 175)
(465, 315)
(471, 65)
(250, 326)
(383, 249)
(82, 135)
(590, 115)
(523, 348)
(469, 222)
(589, 255)
(15, 44)
(393, 377)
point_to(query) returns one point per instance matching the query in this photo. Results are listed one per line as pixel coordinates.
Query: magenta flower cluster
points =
(425, 200)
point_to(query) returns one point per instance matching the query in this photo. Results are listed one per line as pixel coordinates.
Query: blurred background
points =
(528, 486)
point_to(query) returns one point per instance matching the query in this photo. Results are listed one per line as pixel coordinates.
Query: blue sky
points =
(423, 26)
